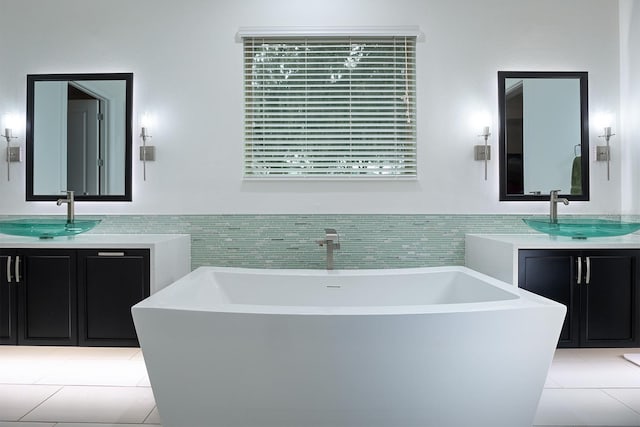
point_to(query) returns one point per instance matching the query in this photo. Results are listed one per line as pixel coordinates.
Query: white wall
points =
(188, 73)
(630, 101)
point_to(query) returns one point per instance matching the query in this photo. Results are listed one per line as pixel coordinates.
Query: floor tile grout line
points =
(56, 423)
(149, 414)
(90, 385)
(584, 362)
(41, 403)
(136, 385)
(41, 377)
(615, 398)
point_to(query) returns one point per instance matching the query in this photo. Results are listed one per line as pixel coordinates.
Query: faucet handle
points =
(331, 235)
(554, 197)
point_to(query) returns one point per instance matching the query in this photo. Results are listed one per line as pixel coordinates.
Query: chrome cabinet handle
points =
(588, 277)
(579, 280)
(17, 275)
(9, 270)
(110, 253)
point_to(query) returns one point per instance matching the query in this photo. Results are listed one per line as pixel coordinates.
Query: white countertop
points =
(545, 241)
(497, 254)
(90, 241)
(170, 254)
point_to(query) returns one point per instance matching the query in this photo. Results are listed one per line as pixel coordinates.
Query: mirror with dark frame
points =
(79, 136)
(544, 135)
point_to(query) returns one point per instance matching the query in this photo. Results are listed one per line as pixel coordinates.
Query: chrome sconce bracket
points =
(603, 152)
(483, 152)
(147, 152)
(13, 153)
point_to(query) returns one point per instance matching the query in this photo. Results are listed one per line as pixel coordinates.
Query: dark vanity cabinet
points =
(8, 300)
(38, 297)
(600, 288)
(110, 282)
(71, 297)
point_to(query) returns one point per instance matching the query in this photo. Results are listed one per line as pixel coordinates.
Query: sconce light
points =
(13, 154)
(147, 152)
(483, 152)
(603, 120)
(603, 152)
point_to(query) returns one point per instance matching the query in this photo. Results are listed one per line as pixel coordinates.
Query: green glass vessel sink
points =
(46, 228)
(581, 228)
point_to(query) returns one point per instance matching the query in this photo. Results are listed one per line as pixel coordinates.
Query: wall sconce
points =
(147, 152)
(13, 154)
(483, 152)
(603, 152)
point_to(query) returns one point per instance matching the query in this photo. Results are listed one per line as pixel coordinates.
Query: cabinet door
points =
(47, 297)
(610, 298)
(111, 282)
(8, 301)
(552, 274)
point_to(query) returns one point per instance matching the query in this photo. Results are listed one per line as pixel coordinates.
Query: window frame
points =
(407, 168)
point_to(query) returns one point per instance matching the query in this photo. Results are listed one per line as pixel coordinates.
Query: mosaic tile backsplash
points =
(289, 241)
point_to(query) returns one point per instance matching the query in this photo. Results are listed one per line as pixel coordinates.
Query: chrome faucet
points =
(331, 241)
(70, 206)
(553, 207)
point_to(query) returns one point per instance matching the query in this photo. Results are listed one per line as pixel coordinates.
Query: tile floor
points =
(109, 387)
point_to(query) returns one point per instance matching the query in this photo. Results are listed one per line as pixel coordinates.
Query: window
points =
(330, 107)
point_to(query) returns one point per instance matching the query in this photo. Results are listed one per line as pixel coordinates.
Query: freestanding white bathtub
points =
(231, 347)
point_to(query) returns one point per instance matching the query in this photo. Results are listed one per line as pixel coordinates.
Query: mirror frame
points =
(584, 131)
(29, 134)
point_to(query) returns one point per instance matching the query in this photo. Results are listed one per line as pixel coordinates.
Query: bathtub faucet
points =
(331, 241)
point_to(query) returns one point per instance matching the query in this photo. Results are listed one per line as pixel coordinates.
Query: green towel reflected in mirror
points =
(576, 176)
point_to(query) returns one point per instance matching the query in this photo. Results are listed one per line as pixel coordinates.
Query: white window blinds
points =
(330, 107)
